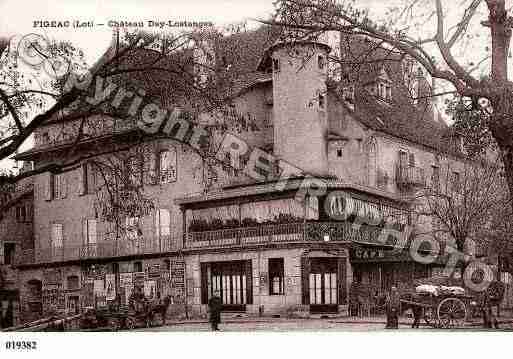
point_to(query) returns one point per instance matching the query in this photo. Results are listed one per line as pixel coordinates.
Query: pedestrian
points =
(214, 307)
(393, 305)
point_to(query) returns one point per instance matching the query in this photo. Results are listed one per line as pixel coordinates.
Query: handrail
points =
(102, 249)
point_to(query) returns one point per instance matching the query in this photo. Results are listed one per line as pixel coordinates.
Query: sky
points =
(17, 16)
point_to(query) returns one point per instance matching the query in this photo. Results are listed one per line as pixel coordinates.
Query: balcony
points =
(105, 249)
(410, 176)
(284, 233)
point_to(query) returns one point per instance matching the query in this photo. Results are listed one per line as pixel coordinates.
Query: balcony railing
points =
(105, 249)
(410, 176)
(284, 233)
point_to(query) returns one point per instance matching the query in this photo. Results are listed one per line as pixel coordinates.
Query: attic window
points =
(322, 101)
(321, 62)
(276, 65)
(348, 93)
(384, 91)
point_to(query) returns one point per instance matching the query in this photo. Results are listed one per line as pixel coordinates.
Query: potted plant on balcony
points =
(252, 230)
(286, 228)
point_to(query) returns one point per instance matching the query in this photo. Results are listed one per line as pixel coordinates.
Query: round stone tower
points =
(300, 105)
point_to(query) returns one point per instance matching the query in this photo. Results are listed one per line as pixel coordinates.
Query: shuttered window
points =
(90, 233)
(162, 223)
(57, 235)
(167, 166)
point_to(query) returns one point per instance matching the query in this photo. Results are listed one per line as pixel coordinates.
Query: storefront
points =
(381, 268)
(324, 280)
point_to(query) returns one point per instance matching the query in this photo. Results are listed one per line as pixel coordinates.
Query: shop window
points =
(276, 276)
(232, 281)
(9, 249)
(73, 282)
(138, 267)
(167, 264)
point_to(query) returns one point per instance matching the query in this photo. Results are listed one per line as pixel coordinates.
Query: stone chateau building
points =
(211, 228)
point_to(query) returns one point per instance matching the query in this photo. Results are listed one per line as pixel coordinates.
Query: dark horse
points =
(160, 309)
(417, 310)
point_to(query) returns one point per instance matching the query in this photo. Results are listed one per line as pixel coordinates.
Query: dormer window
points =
(322, 101)
(384, 91)
(276, 65)
(321, 62)
(348, 93)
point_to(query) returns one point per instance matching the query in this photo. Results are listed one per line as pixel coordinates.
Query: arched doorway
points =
(34, 300)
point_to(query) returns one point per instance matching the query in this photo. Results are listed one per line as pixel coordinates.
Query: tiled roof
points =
(239, 55)
(399, 118)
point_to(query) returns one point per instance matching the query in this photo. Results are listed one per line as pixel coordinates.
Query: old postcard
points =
(276, 166)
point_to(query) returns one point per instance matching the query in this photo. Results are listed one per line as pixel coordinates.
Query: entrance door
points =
(232, 282)
(322, 284)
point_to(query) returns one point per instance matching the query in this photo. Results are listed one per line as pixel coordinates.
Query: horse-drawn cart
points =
(440, 311)
(446, 303)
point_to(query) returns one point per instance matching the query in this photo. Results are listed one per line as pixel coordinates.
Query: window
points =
(403, 158)
(359, 143)
(455, 180)
(59, 186)
(276, 65)
(384, 91)
(162, 223)
(138, 267)
(435, 178)
(73, 282)
(91, 177)
(134, 171)
(21, 215)
(321, 62)
(411, 160)
(348, 94)
(9, 249)
(57, 235)
(90, 234)
(339, 152)
(133, 230)
(167, 166)
(276, 276)
(322, 101)
(167, 264)
(232, 281)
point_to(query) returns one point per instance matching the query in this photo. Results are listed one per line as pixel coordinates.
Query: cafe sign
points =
(363, 254)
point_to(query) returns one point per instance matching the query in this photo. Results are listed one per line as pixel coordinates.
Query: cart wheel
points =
(130, 323)
(429, 316)
(452, 313)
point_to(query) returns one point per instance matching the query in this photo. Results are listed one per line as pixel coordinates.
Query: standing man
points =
(393, 308)
(214, 307)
